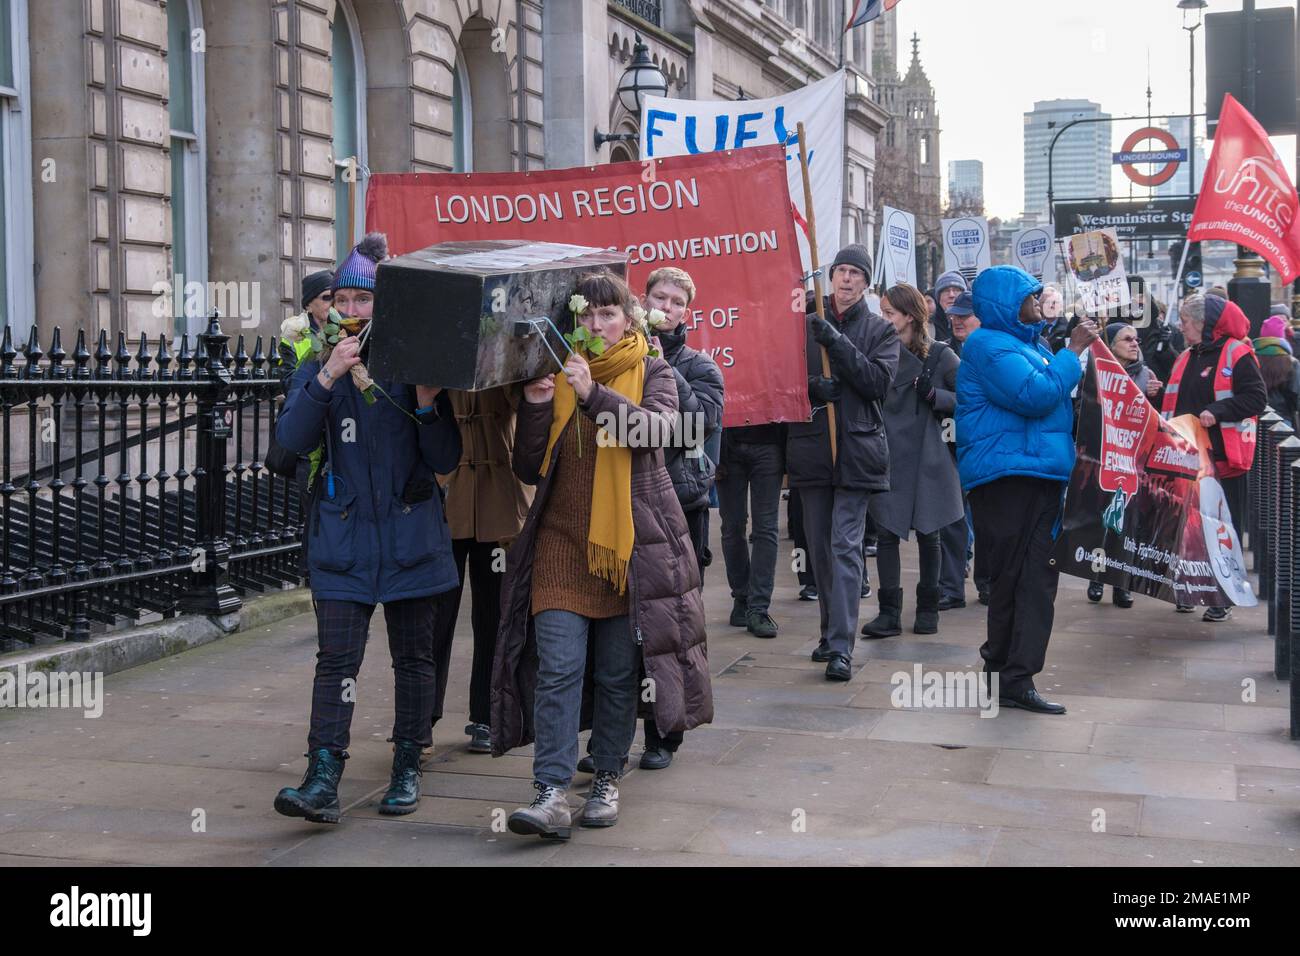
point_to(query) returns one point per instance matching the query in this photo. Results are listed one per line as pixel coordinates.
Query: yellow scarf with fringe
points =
(611, 532)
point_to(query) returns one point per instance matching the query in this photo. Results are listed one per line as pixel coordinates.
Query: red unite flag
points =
(1247, 196)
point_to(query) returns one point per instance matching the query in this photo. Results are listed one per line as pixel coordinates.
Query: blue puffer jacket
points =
(370, 542)
(1014, 414)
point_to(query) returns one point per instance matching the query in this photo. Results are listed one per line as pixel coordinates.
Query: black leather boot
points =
(927, 610)
(403, 794)
(317, 797)
(888, 623)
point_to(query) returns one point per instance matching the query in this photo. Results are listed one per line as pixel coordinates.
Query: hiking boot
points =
(480, 738)
(1095, 591)
(760, 624)
(601, 808)
(547, 816)
(888, 623)
(927, 610)
(317, 797)
(1216, 614)
(739, 612)
(403, 794)
(1121, 598)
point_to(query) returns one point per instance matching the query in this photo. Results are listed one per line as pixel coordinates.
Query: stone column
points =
(575, 64)
(245, 196)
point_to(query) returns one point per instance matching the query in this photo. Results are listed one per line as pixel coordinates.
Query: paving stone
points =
(1016, 847)
(579, 852)
(843, 840)
(1258, 718)
(1222, 821)
(760, 715)
(363, 842)
(877, 760)
(1143, 713)
(1212, 746)
(1074, 771)
(948, 801)
(1269, 785)
(1012, 729)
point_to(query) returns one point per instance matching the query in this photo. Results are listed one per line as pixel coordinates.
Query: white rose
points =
(577, 304)
(657, 318)
(293, 328)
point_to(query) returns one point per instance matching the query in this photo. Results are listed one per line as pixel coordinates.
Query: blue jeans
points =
(561, 664)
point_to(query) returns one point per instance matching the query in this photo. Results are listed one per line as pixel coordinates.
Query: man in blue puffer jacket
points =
(1015, 451)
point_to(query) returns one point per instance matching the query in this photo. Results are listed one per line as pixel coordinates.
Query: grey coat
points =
(925, 490)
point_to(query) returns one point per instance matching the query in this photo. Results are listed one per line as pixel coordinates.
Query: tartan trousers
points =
(341, 631)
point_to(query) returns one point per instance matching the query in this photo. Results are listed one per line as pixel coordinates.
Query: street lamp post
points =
(1193, 14)
(642, 78)
(1190, 8)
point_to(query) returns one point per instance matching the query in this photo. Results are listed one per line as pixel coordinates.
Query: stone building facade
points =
(164, 157)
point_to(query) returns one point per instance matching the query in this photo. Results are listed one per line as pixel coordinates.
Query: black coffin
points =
(472, 315)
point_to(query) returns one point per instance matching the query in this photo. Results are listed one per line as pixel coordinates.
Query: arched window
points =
(17, 293)
(462, 118)
(185, 109)
(349, 70)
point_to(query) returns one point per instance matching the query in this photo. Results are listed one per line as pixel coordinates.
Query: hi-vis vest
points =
(1238, 437)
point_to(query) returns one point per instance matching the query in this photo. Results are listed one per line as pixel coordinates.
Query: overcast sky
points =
(989, 62)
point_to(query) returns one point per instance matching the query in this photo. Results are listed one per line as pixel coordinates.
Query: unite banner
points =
(1143, 508)
(723, 217)
(673, 127)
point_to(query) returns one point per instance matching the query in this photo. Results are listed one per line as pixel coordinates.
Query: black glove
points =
(822, 331)
(823, 391)
(924, 385)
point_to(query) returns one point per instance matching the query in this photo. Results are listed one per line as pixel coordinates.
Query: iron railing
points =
(134, 484)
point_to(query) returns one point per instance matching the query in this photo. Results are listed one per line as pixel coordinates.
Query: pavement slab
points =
(1175, 751)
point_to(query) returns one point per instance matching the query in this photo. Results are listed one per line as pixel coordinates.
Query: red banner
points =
(1247, 196)
(1143, 508)
(724, 217)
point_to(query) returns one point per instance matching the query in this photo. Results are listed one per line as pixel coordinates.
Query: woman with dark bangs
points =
(925, 492)
(605, 558)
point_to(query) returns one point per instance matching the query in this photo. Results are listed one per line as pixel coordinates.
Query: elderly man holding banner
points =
(835, 483)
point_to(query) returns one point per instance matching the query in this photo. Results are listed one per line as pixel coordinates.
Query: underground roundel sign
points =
(1170, 156)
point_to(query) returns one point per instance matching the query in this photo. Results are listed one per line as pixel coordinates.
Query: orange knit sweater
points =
(561, 580)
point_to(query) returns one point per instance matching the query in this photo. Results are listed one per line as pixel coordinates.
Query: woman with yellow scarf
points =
(605, 559)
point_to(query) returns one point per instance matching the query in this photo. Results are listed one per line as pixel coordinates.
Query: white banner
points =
(896, 257)
(966, 246)
(672, 127)
(1033, 251)
(1097, 266)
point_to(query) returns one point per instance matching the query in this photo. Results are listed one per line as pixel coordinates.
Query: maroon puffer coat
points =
(666, 607)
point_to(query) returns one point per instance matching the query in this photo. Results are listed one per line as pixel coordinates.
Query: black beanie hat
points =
(314, 284)
(855, 255)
